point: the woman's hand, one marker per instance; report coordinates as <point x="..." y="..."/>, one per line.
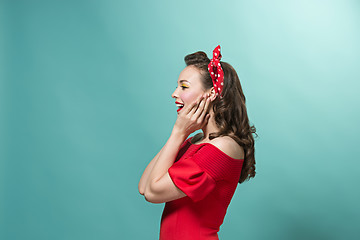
<point x="193" y="116"/>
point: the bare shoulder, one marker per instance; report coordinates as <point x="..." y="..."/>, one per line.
<point x="229" y="146"/>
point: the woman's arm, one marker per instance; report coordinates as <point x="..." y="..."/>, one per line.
<point x="145" y="175"/>
<point x="159" y="186"/>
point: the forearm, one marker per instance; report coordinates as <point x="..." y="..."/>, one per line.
<point x="166" y="157"/>
<point x="145" y="176"/>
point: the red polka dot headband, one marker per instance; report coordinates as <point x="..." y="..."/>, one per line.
<point x="216" y="72"/>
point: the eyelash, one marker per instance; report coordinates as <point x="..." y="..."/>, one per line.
<point x="182" y="87"/>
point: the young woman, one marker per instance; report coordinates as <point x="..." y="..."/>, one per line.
<point x="196" y="177"/>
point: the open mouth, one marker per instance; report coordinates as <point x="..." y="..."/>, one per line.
<point x="180" y="106"/>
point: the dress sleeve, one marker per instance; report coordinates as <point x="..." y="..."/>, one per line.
<point x="190" y="178"/>
<point x="197" y="174"/>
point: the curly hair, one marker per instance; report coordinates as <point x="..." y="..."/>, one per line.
<point x="230" y="112"/>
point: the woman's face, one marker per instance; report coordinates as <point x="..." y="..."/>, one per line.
<point x="189" y="87"/>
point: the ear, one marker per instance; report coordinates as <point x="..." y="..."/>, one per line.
<point x="212" y="94"/>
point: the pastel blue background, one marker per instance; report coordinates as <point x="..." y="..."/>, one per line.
<point x="85" y="104"/>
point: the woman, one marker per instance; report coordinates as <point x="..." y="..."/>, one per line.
<point x="198" y="176"/>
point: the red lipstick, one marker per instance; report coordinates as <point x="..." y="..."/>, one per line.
<point x="179" y="108"/>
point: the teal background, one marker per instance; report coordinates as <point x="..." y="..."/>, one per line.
<point x="86" y="103"/>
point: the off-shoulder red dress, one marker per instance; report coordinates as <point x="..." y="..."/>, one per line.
<point x="209" y="178"/>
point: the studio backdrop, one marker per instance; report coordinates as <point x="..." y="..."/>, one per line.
<point x="85" y="104"/>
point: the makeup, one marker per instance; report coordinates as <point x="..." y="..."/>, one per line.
<point x="179" y="105"/>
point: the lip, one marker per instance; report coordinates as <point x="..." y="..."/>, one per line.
<point x="179" y="108"/>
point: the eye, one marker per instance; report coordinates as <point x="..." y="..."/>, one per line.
<point x="183" y="86"/>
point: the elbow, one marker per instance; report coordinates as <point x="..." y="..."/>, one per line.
<point x="141" y="190"/>
<point x="150" y="195"/>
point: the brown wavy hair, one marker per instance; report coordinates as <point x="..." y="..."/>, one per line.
<point x="230" y="111"/>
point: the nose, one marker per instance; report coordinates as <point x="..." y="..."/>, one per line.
<point x="174" y="94"/>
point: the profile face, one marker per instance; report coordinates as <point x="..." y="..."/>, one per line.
<point x="189" y="87"/>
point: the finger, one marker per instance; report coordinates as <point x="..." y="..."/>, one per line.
<point x="200" y="108"/>
<point x="205" y="111"/>
<point x="195" y="105"/>
<point x="205" y="108"/>
<point x="202" y="102"/>
<point x="189" y="107"/>
<point x="206" y="120"/>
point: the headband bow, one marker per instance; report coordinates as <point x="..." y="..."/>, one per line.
<point x="216" y="72"/>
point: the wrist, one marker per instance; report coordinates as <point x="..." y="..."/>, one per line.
<point x="177" y="134"/>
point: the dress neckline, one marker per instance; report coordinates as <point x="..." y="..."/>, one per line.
<point x="241" y="159"/>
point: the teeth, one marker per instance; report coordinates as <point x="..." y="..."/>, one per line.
<point x="180" y="105"/>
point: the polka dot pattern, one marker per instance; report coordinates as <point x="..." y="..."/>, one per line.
<point x="216" y="72"/>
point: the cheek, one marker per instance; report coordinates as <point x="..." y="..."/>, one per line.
<point x="188" y="97"/>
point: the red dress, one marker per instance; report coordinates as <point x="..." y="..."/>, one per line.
<point x="209" y="178"/>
